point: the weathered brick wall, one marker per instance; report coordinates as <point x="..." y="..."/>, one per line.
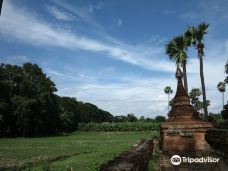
<point x="133" y="160"/>
<point x="185" y="144"/>
<point x="218" y="138"/>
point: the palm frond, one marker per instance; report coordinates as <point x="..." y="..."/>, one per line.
<point x="221" y="86"/>
<point x="176" y="49"/>
<point x="201" y="31"/>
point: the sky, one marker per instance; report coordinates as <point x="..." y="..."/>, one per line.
<point x="112" y="53"/>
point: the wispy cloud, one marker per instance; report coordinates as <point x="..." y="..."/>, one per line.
<point x="15" y="59"/>
<point x="38" y="32"/>
<point x="60" y="14"/>
<point x="119" y="22"/>
<point x="97" y="7"/>
<point x="84" y="13"/>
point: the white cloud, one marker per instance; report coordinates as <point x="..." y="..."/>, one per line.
<point x="15" y="59"/>
<point x="140" y="96"/>
<point x="35" y="31"/>
<point x="119" y="22"/>
<point x="60" y="14"/>
<point x="83" y="12"/>
<point x="98" y="7"/>
<point x="54" y="73"/>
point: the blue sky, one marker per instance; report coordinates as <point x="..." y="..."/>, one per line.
<point x="111" y="53"/>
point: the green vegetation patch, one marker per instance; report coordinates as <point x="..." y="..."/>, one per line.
<point x="80" y="150"/>
<point x="120" y="126"/>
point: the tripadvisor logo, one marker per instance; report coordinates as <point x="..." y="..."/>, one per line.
<point x="176" y="160"/>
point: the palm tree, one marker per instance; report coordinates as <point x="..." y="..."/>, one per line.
<point x="195" y="37"/>
<point x="226" y="71"/>
<point x="177" y="51"/>
<point x="194" y="95"/>
<point x="222" y="88"/>
<point x="226" y="67"/>
<point x="168" y="91"/>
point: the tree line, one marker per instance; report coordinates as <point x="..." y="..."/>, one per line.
<point x="29" y="105"/>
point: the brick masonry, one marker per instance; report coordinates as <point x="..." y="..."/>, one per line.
<point x="183" y="131"/>
<point x="133" y="160"/>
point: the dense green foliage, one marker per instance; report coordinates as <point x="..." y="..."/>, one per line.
<point x="80" y="150"/>
<point x="30" y="107"/>
<point x="216" y="118"/>
<point x="120" y="126"/>
<point x="194" y="96"/>
<point x="28" y="104"/>
<point x="128" y="118"/>
<point x="74" y="112"/>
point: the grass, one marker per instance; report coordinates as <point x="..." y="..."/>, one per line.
<point x="83" y="151"/>
<point x="152" y="163"/>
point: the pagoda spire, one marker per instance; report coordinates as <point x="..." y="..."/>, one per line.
<point x="180" y="88"/>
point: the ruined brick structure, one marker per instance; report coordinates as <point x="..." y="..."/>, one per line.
<point x="218" y="139"/>
<point x="183" y="132"/>
<point x="133" y="160"/>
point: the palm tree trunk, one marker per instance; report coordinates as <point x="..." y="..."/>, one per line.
<point x="223" y="100"/>
<point x="168" y="102"/>
<point x="200" y="55"/>
<point x="185" y="78"/>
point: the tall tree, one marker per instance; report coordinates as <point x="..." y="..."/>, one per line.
<point x="177" y="51"/>
<point x="226" y="71"/>
<point x="28" y="103"/>
<point x="194" y="94"/>
<point x="194" y="97"/>
<point x="226" y="67"/>
<point x="168" y="91"/>
<point x="195" y="36"/>
<point x="222" y="88"/>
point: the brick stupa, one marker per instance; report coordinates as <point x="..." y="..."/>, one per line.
<point x="183" y="132"/>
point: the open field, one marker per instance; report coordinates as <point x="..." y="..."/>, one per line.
<point x="81" y="150"/>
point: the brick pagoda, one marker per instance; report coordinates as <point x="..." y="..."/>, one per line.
<point x="183" y="132"/>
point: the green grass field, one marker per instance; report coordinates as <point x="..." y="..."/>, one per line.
<point x="81" y="150"/>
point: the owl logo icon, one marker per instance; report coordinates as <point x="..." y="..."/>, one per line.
<point x="176" y="160"/>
